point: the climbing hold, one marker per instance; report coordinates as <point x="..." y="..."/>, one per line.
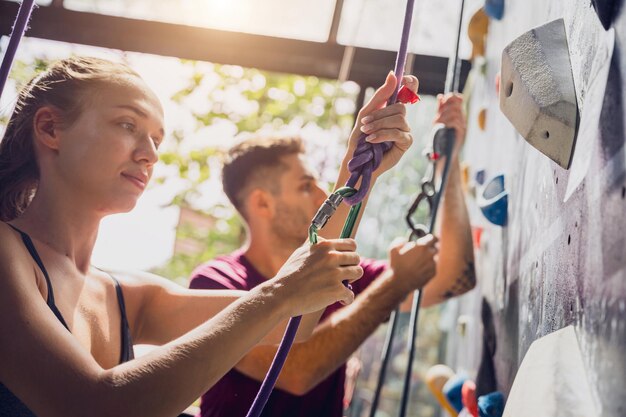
<point x="477" y="233"/>
<point x="436" y="378"/>
<point x="480" y="176"/>
<point x="496" y="81"/>
<point x="452" y="391"/>
<point x="537" y="91"/>
<point x="606" y="11"/>
<point x="491" y="405"/>
<point x="465" y="176"/>
<point x="482" y="119"/>
<point x="493" y="201"/>
<point x="495" y="8"/>
<point x="553" y="379"/>
<point x="468" y="395"/>
<point x="477" y="32"/>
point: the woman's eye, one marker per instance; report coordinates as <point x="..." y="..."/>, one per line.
<point x="128" y="126"/>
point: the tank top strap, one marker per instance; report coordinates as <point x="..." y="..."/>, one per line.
<point x="127" y="352"/>
<point x="35" y="255"/>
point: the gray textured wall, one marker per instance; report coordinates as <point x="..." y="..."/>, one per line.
<point x="557" y="262"/>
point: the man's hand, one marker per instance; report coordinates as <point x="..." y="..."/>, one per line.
<point x="450" y="113"/>
<point x="413" y="263"/>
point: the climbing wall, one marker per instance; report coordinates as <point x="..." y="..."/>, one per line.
<point x="560" y="259"/>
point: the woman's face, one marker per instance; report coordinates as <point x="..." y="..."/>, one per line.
<point x="108" y="153"/>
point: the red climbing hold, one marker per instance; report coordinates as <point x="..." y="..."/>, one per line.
<point x="406" y="95"/>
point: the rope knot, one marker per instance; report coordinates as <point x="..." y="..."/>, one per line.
<point x="366" y="159"/>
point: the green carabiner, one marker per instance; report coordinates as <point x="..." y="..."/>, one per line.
<point x="328" y="208"/>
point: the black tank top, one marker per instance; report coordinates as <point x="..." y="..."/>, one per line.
<point x="10" y="405"/>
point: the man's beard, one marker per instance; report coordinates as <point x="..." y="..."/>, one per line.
<point x="290" y="225"/>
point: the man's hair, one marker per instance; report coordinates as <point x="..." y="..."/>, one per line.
<point x="256" y="163"/>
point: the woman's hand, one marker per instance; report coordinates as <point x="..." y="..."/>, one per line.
<point x="312" y="278"/>
<point x="385" y="124"/>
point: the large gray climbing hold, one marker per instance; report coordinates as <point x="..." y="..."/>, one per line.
<point x="537" y="92"/>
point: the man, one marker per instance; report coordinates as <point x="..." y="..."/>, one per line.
<point x="277" y="195"/>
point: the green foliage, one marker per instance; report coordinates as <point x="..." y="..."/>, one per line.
<point x="249" y="100"/>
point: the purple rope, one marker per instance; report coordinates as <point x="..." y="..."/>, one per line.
<point x="19" y="27"/>
<point x="277" y="365"/>
<point x="368" y="156"/>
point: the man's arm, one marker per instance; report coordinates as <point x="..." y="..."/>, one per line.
<point x="332" y="343"/>
<point x="455" y="268"/>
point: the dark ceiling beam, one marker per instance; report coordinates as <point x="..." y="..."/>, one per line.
<point x="255" y="51"/>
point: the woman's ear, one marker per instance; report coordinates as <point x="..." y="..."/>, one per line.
<point x="261" y="203"/>
<point x="46" y="127"/>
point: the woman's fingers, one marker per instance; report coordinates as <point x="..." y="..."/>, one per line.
<point x="393" y="116"/>
<point x="345" y="258"/>
<point x="411" y="82"/>
<point x="351" y="273"/>
<point x="402" y="140"/>
<point x="381" y="95"/>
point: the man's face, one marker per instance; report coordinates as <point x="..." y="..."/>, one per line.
<point x="299" y="199"/>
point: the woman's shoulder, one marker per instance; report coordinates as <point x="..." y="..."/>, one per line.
<point x="16" y="263"/>
<point x="12" y="247"/>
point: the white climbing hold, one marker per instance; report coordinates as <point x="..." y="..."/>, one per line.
<point x="537" y="92"/>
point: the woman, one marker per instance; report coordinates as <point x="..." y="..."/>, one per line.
<point x="81" y="145"/>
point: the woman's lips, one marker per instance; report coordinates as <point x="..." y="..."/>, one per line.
<point x="138" y="181"/>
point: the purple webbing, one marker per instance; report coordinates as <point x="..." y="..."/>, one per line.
<point x="19" y="27"/>
<point x="368" y="156"/>
<point x="277" y="365"/>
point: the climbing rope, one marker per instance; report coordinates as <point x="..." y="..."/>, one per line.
<point x="368" y="156"/>
<point x="19" y="27"/>
<point x="365" y="160"/>
<point x="441" y="146"/>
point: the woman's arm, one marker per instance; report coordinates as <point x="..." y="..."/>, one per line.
<point x="54" y="375"/>
<point x="169" y="310"/>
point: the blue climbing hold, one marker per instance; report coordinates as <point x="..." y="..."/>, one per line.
<point x="491" y="405"/>
<point x="494" y="201"/>
<point x="453" y="392"/>
<point x="480" y="176"/>
<point x="495" y="8"/>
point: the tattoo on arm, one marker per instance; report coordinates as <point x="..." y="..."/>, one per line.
<point x="464" y="283"/>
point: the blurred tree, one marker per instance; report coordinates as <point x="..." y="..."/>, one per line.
<point x="248" y="101"/>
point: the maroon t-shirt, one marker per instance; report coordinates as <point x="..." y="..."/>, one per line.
<point x="232" y="396"/>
